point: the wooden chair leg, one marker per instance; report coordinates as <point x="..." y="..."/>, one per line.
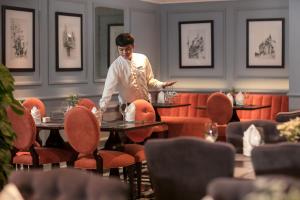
<point x="138" y="167"/>
<point x="131" y="182"/>
<point x="125" y="174"/>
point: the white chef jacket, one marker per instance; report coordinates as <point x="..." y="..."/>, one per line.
<point x="131" y="78"/>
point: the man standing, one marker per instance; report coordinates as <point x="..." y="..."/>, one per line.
<point x="130" y="74"/>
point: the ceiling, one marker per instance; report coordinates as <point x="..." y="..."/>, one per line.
<point x="179" y="1"/>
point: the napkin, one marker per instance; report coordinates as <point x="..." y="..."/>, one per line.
<point x="251" y="139"/>
<point x="230" y="97"/>
<point x="239" y="99"/>
<point x="161" y="97"/>
<point x="36" y="115"/>
<point x="130" y="113"/>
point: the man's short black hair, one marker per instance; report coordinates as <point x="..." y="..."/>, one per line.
<point x="124" y="39"/>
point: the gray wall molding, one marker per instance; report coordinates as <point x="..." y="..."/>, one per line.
<point x="234" y="72"/>
<point x="240" y="61"/>
<point x="67" y="77"/>
<point x="173" y="18"/>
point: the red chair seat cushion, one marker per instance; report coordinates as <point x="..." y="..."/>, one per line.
<point x="111" y="159"/>
<point x="186" y="126"/>
<point x="46" y="155"/>
<point x="136" y="150"/>
<point x="160" y="128"/>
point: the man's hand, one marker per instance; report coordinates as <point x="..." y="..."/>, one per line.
<point x="168" y="83"/>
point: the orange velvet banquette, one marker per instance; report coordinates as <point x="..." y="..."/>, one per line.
<point x="188" y="121"/>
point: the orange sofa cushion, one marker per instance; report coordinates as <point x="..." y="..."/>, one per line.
<point x="189" y="121"/>
<point x="279" y="103"/>
<point x="195" y="99"/>
<point x="185" y="126"/>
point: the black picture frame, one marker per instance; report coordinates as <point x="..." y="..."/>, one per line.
<point x="68" y="50"/>
<point x="196" y="44"/>
<point x="18" y="38"/>
<point x="265" y="45"/>
<point x="113" y="30"/>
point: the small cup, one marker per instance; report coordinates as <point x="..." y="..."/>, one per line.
<point x="46" y="119"/>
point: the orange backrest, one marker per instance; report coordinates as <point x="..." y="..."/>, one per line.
<point x="279" y="103"/>
<point x="219" y="108"/>
<point x="195" y="99"/>
<point x="24" y="127"/>
<point x="82" y="129"/>
<point x="144" y="111"/>
<point x="30" y="102"/>
<point x="89" y="104"/>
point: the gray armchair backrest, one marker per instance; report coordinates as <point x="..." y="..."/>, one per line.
<point x="181" y="168"/>
<point x="237" y="189"/>
<point x="282" y="158"/>
<point x="67" y="184"/>
<point x="235" y="132"/>
<point x="229" y="188"/>
<point x="286" y="116"/>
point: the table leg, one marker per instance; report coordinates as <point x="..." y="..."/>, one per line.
<point x="114" y="142"/>
<point x="157" y="115"/>
<point x="54" y="139"/>
<point x="234" y="117"/>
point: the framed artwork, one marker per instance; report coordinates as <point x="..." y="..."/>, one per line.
<point x="112" y="51"/>
<point x="18" y="25"/>
<point x="265" y="43"/>
<point x="196" y="46"/>
<point x="68" y="27"/>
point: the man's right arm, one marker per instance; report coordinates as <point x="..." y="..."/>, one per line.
<point x="109" y="87"/>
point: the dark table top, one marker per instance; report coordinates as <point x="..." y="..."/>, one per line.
<point x="241" y="107"/>
<point x="169" y="105"/>
<point x="105" y="126"/>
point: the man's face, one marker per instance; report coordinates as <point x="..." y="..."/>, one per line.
<point x="126" y="51"/>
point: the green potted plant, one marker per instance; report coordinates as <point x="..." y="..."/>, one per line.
<point x="72" y="100"/>
<point x="7" y="134"/>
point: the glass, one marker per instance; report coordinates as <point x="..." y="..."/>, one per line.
<point x="211" y="131"/>
<point x="122" y="108"/>
<point x="170" y="94"/>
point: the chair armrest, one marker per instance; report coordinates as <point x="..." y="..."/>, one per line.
<point x="286" y="116"/>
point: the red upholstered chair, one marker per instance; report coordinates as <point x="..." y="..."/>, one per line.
<point x="83" y="132"/>
<point x="89" y="104"/>
<point x="30" y="102"/>
<point x="26" y="153"/>
<point x="144" y="112"/>
<point x="219" y="110"/>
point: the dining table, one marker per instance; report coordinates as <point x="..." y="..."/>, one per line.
<point x="116" y="129"/>
<point x="235" y="117"/>
<point x="166" y="105"/>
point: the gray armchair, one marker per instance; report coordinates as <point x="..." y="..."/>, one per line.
<point x="237" y="189"/>
<point x="286" y="116"/>
<point x="181" y="168"/>
<point x="67" y="184"/>
<point x="280" y="158"/>
<point x="235" y="132"/>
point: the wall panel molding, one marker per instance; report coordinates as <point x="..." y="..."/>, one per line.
<point x="240" y="44"/>
<point x="80" y="77"/>
<point x="219" y="18"/>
